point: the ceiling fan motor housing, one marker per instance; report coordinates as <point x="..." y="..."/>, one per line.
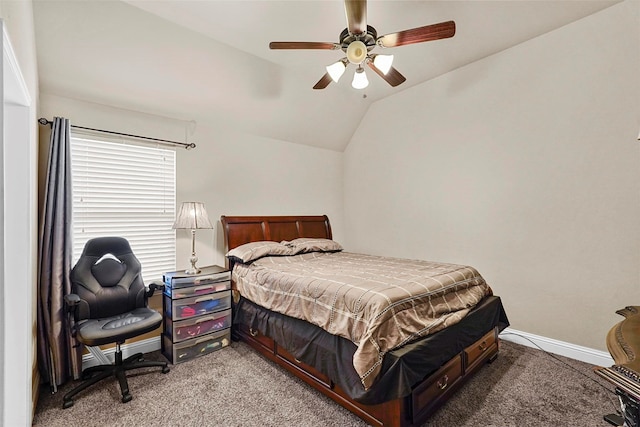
<point x="356" y="46"/>
<point x="368" y="37"/>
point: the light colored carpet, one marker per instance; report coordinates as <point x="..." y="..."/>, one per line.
<point x="237" y="387"/>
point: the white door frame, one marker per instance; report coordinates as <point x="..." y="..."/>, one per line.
<point x="18" y="211"/>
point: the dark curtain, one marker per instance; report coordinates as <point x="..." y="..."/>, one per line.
<point x="59" y="356"/>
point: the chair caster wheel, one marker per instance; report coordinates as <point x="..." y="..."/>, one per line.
<point x="165" y="370"/>
<point x="67" y="404"/>
<point x="126" y="398"/>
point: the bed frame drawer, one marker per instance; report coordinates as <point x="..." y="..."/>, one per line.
<point x="437" y="387"/>
<point x="307" y="369"/>
<point x="255" y="336"/>
<point x="479" y="351"/>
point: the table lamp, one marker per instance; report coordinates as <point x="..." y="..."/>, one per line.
<point x="192" y="216"/>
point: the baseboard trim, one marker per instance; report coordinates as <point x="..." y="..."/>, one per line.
<point x="143" y="346"/>
<point x="584" y="354"/>
<point x="35" y="390"/>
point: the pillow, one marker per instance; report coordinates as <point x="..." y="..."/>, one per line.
<point x="255" y="250"/>
<point x="306" y="244"/>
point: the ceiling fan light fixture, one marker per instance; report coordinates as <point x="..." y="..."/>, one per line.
<point x="359" y="38"/>
<point x="360" y="80"/>
<point x="336" y="70"/>
<point x="356" y="52"/>
<point x="383" y="62"/>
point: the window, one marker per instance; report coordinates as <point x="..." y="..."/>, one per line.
<point x="127" y="190"/>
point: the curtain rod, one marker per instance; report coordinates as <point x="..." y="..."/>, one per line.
<point x="186" y="145"/>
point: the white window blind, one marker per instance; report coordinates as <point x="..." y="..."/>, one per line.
<point x="126" y="190"/>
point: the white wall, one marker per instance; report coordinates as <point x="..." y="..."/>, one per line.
<point x="523" y="164"/>
<point x="239" y="174"/>
<point x="232" y="172"/>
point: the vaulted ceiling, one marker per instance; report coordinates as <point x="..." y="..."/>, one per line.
<point x="210" y="59"/>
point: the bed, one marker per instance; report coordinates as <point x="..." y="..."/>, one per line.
<point x="386" y="380"/>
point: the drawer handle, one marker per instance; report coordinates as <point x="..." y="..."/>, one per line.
<point x="202" y="288"/>
<point x="252" y="332"/>
<point x="443" y="383"/>
<point x="297" y="360"/>
<point x="201" y="340"/>
<point x="207" y="298"/>
<point x="483" y="346"/>
<point x="205" y="319"/>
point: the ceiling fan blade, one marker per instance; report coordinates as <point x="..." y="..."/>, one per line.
<point x="303" y="45"/>
<point x="427" y="33"/>
<point x="393" y="76"/>
<point x="323" y="82"/>
<point x="356" y="11"/>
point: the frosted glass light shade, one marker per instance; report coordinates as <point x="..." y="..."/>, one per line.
<point x="360" y="80"/>
<point x="336" y="70"/>
<point x="383" y="62"/>
<point x="356" y="52"/>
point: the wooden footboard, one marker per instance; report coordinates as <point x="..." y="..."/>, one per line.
<point x="411" y="410"/>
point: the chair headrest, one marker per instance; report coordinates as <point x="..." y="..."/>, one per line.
<point x="100" y="246"/>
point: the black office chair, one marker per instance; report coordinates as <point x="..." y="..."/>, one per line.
<point x="108" y="304"/>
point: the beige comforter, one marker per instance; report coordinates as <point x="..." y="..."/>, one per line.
<point x="378" y="303"/>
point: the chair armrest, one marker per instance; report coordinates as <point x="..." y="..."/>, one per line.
<point x="153" y="287"/>
<point x="71" y="300"/>
<point x="72" y="304"/>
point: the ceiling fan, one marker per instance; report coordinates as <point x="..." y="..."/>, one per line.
<point x="359" y="39"/>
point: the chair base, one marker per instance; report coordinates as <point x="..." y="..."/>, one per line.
<point x="98" y="373"/>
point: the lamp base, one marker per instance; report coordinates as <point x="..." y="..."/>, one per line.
<point x="193" y="269"/>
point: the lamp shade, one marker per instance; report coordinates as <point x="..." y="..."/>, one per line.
<point x="192" y="215"/>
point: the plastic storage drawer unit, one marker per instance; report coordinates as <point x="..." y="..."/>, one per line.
<point x="181" y="330"/>
<point x="199" y="346"/>
<point x="185" y="308"/>
<point x="193" y="291"/>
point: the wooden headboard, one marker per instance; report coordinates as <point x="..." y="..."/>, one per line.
<point x="239" y="230"/>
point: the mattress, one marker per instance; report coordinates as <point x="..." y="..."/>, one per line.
<point x="377" y="303"/>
